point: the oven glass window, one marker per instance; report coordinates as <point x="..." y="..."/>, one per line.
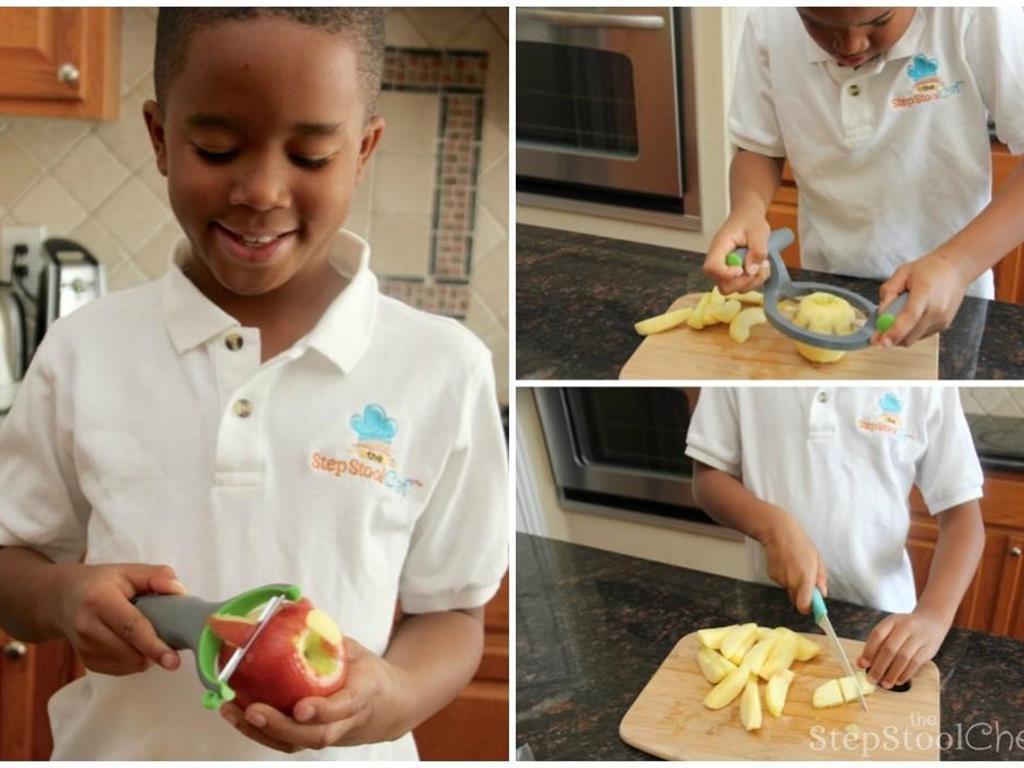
<point x="635" y="428"/>
<point x="575" y="98"/>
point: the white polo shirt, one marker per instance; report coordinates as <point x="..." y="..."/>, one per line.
<point x="842" y="461"/>
<point x="893" y="158"/>
<point x="366" y="464"/>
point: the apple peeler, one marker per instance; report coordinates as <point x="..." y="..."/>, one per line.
<point x="180" y="621"/>
<point x="779" y="287"/>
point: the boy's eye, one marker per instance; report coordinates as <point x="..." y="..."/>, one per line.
<point x="215" y="157"/>
<point x="310" y="162"/>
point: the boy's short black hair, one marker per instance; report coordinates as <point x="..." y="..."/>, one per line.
<point x="362" y="27"/>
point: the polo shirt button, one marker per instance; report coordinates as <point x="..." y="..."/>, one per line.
<point x="823" y="397"/>
<point x="855" y="90"/>
<point x="243" y="409"/>
<point x="234" y="342"/>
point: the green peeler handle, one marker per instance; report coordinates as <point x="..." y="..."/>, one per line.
<point x="818" y="606"/>
<point x="885" y="321"/>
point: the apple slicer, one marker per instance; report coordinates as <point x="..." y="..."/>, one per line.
<point x="780" y="287"/>
<point x="180" y="621"/>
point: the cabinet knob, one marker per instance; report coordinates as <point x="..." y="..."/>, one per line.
<point x="1015" y="552"/>
<point x="68" y="74"/>
<point x="15" y="649"/>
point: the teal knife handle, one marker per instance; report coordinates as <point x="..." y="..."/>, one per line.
<point x="818" y="606"/>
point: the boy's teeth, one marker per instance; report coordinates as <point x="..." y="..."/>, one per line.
<point x="258" y="240"/>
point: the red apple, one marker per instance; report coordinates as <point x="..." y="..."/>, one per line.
<point x="299" y="653"/>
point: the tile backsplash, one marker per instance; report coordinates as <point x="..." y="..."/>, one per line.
<point x="993" y="401"/>
<point x="433" y="204"/>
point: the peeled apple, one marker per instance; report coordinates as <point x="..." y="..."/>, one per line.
<point x="828" y="315"/>
<point x="750" y="706"/>
<point x="713" y="665"/>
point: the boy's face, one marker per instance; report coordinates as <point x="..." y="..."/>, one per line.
<point x="262" y="138"/>
<point x="855" y="36"/>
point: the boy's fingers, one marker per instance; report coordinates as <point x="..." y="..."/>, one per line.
<point x="109" y="654"/>
<point x="153" y="579"/>
<point x="875" y="640"/>
<point x="893" y="287"/>
<point x="758" y="250"/>
<point x="714" y="262"/>
<point x="127" y="622"/>
<point x="803" y="595"/>
<point x="915" y="664"/>
<point x="236" y="718"/>
<point x="906" y="321"/>
<point x="886" y="653"/>
<point x="285" y="730"/>
<point x="339" y="706"/>
<point x="901" y="656"/>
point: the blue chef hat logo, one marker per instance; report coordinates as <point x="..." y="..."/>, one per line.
<point x="890" y="404"/>
<point x="922" y="67"/>
<point x="374" y="424"/>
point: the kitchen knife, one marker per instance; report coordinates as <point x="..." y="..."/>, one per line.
<point x="822" y="620"/>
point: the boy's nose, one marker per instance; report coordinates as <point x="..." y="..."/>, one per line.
<point x="851" y="42"/>
<point x="260" y="185"/>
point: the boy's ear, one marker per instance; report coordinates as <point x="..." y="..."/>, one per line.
<point x="154" y="118"/>
<point x="372" y="132"/>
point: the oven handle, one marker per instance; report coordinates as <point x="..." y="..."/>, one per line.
<point x="573" y="19"/>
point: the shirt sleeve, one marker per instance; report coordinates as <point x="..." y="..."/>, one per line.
<point x="459" y="548"/>
<point x="714" y="434"/>
<point x="42" y="505"/>
<point x="994" y="44"/>
<point x="948" y="472"/>
<point x="753" y="122"/>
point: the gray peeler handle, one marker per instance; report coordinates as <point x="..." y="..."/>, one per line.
<point x="177" y="619"/>
<point x="778" y="241"/>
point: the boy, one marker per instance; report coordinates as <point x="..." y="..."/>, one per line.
<point x="261" y="414"/>
<point x="881" y="113"/>
<point x="818" y="479"/>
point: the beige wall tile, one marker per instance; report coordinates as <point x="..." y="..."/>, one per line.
<point x="400" y="243"/>
<point x="403" y="184"/>
<point x="154" y="257"/>
<point x="439" y="25"/>
<point x="126" y="276"/>
<point x="401" y="32"/>
<point x="20" y="168"/>
<point x="412" y="120"/>
<point x="138" y="42"/>
<point x="47" y="202"/>
<point x="492" y="189"/>
<point x="90" y="172"/>
<point x="127" y="137"/>
<point x="49" y="140"/>
<point x="489" y="280"/>
<point x="132" y="215"/>
<point x="100" y="244"/>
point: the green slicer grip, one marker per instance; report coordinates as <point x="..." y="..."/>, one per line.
<point x="818" y="606"/>
<point x="180" y="621"/>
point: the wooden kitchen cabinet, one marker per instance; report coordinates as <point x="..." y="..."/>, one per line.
<point x="1009" y="272"/>
<point x="994" y="601"/>
<point x="475" y="725"/>
<point x="60" y="62"/>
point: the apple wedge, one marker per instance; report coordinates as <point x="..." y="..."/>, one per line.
<point x="712" y="636"/>
<point x="782" y="654"/>
<point x="664" y="322"/>
<point x="737" y="638"/>
<point x="740" y="653"/>
<point x="727" y="690"/>
<point x="713" y="665"/>
<point x="750" y="706"/>
<point x="725" y="311"/>
<point x="763" y="632"/>
<point x="841" y="690"/>
<point x="739" y="328"/>
<point x="806" y="649"/>
<point x="776" y="690"/>
<point x="757" y="655"/>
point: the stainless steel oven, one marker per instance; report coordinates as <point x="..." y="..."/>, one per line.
<point x="621" y="448"/>
<point x="604" y="108"/>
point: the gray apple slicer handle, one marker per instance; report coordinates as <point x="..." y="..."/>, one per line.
<point x="180" y="621"/>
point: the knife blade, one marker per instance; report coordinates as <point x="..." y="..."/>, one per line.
<point x="264" y="618"/>
<point x="822" y="620"/>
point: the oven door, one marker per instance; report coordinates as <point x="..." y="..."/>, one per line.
<point x="597" y="99"/>
<point x="621" y="447"/>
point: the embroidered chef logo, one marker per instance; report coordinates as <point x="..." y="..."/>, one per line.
<point x="887" y="419"/>
<point x="925" y="84"/>
<point x="372" y="460"/>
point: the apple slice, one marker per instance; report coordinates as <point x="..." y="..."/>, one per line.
<point x="736" y="638"/>
<point x="763" y="632"/>
<point x="865" y="684"/>
<point x="782" y="654"/>
<point x="777" y="689"/>
<point x="713" y="665"/>
<point x="849" y="686"/>
<point x="727" y="690"/>
<point x="233" y="630"/>
<point x="828" y="694"/>
<point x="744" y="647"/>
<point x="712" y="636"/>
<point x="806" y="649"/>
<point x="757" y="655"/>
<point x="750" y="706"/>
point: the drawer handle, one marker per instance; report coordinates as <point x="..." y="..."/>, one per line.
<point x="68" y="74"/>
<point x="15" y="649"/>
<point x="1015" y="552"/>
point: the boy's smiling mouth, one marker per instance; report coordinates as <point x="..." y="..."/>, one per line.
<point x="252" y="246"/>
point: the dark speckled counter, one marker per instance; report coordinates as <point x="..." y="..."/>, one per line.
<point x="592" y="627"/>
<point x="578" y="296"/>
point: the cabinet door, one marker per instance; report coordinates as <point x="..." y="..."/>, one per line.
<point x="29" y="676"/>
<point x="60" y="62"/>
<point x="475" y="725"/>
<point x="783" y="213"/>
<point x="1008" y="616"/>
<point x="1009" y="273"/>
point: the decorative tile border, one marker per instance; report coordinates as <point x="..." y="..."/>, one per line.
<point x="459" y="77"/>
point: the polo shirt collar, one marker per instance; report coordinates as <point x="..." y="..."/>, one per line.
<point x="342" y="334"/>
<point x="908" y="45"/>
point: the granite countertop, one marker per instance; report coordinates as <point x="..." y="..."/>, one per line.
<point x="578" y="296"/>
<point x="592" y="627"/>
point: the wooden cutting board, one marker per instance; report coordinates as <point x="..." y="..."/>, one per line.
<point x="669" y="719"/>
<point x="683" y="353"/>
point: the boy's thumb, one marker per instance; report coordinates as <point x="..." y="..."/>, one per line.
<point x="155" y="579"/>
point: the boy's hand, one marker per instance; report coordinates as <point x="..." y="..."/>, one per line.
<point x="794" y="562"/>
<point x="744" y="227"/>
<point x="372" y="707"/>
<point x="111" y="635"/>
<point x="899" y="644"/>
<point x="936" y="284"/>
